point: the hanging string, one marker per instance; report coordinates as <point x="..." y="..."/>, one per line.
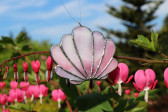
<point x="80" y="11"/>
<point x="70" y="13"/>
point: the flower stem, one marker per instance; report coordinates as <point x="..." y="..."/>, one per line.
<point x="69" y="106"/>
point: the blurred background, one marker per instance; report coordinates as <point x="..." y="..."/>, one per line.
<point x="28" y="26"/>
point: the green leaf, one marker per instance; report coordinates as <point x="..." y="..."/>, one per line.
<point x="26" y="48"/>
<point x="21" y="37"/>
<point x="94" y="102"/>
<point x="6" y="40"/>
<point x="21" y="106"/>
<point x="71" y="92"/>
<point x="144" y="42"/>
<point x="154" y="41"/>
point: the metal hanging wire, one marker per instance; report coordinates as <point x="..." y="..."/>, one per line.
<point x="79" y="22"/>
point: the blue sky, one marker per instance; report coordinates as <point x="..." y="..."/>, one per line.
<point x="48" y="20"/>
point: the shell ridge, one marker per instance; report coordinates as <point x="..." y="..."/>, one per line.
<point x="58" y="64"/>
<point x="78" y="51"/>
<point x="100" y="62"/>
<point x="91" y="74"/>
<point x="68" y="73"/>
<point x="69" y="58"/>
<point x="110" y="70"/>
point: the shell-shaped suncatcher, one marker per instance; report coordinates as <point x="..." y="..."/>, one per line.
<point x="84" y="55"/>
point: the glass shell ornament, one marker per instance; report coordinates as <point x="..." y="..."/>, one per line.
<point x="84" y="55"/>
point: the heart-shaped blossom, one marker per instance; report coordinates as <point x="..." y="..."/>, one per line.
<point x="3" y="100"/>
<point x="24" y="86"/>
<point x="17" y="95"/>
<point x="15" y="72"/>
<point x="43" y="91"/>
<point x="36" y="66"/>
<point x="136" y="94"/>
<point x="127" y="92"/>
<point x="49" y="63"/>
<point x="58" y="95"/>
<point x="25" y="68"/>
<point x="145" y="80"/>
<point x="13" y="84"/>
<point x="119" y="76"/>
<point x="166" y="77"/>
<point x="2" y="84"/>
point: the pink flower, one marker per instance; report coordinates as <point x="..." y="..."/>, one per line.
<point x="10" y="99"/>
<point x="36" y="66"/>
<point x="17" y="95"/>
<point x="2" y="84"/>
<point x="166" y="77"/>
<point x="49" y="63"/>
<point x="98" y="83"/>
<point x="3" y="99"/>
<point x="5" y="110"/>
<point x="25" y="68"/>
<point x="127" y="92"/>
<point x="13" y="84"/>
<point x="119" y="75"/>
<point x="58" y="95"/>
<point x="24" y="85"/>
<point x="15" y="72"/>
<point x="43" y="92"/>
<point x="33" y="91"/>
<point x="136" y="94"/>
<point x="145" y="80"/>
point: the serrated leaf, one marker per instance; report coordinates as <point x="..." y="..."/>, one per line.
<point x="6" y="40"/>
<point x="144" y="42"/>
<point x="94" y="102"/>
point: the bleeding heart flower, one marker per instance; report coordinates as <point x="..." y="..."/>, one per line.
<point x="136" y="94"/>
<point x="6" y="72"/>
<point x="98" y="84"/>
<point x="17" y="95"/>
<point x="58" y="95"/>
<point x="119" y="75"/>
<point x="3" y="100"/>
<point x="43" y="92"/>
<point x="10" y="99"/>
<point x="36" y="66"/>
<point x="13" y="84"/>
<point x="127" y="92"/>
<point x="49" y="73"/>
<point x="145" y="80"/>
<point x="2" y="84"/>
<point x="25" y="68"/>
<point x="5" y="110"/>
<point x="24" y="86"/>
<point x="16" y="76"/>
<point x="166" y="77"/>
